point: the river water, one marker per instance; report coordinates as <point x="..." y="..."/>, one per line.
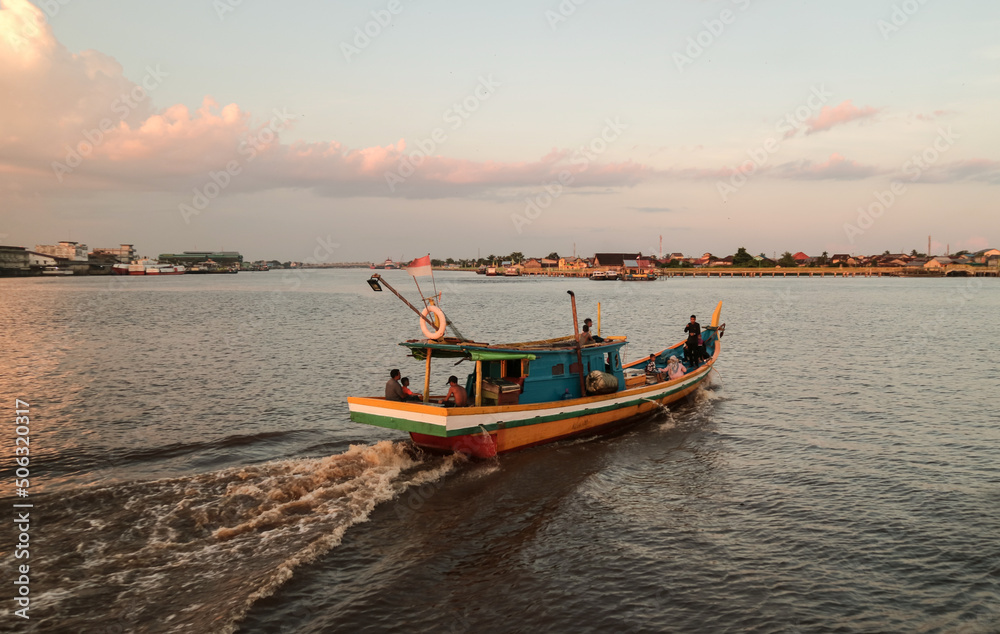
<point x="193" y="467"/>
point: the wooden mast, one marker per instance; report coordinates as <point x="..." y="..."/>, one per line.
<point x="579" y="354"/>
<point x="427" y="376"/>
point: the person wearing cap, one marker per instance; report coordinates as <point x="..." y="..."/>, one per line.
<point x="456" y="393"/>
<point x="589" y="323"/>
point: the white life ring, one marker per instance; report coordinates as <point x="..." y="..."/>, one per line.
<point x="438" y="318"/>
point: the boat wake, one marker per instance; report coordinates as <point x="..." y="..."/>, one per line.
<point x="708" y="394"/>
<point x="702" y="400"/>
<point x="194" y="553"/>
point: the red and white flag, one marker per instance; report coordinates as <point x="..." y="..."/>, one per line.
<point x="420" y="266"/>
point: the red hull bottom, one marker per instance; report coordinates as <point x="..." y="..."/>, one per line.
<point x="475" y="445"/>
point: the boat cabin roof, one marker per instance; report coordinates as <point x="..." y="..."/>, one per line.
<point x="455" y="348"/>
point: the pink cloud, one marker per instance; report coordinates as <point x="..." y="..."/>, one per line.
<point x="830" y="117"/>
<point x="78" y="119"/>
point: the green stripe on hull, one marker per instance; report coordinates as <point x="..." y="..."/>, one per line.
<point x="401" y="424"/>
<point x="436" y="430"/>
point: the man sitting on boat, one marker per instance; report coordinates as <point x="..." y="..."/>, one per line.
<point x="585" y="337"/>
<point x="589" y="324"/>
<point x="393" y="390"/>
<point x="456" y="394"/>
<point x="653" y="373"/>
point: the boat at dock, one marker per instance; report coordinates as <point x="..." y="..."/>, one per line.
<point x="604" y="276"/>
<point x="530" y="393"/>
<point x="640" y="277"/>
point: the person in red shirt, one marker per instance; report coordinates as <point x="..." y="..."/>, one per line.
<point x="409" y="394"/>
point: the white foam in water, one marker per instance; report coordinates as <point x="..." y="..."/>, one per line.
<point x="211" y="545"/>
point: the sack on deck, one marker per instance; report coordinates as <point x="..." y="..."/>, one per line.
<point x="601" y="383"/>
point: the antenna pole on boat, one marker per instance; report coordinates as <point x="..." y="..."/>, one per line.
<point x="576" y="335"/>
<point x="380" y="281"/>
<point x="377" y="280"/>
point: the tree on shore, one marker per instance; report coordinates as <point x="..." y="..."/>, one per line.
<point x="742" y="258"/>
<point x="823" y="260"/>
<point x="787" y="260"/>
<point x="552" y="256"/>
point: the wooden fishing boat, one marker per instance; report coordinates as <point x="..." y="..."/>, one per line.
<point x="531" y="393"/>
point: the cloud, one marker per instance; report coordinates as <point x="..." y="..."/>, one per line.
<point x="654" y="210"/>
<point x="977" y="169"/>
<point x="76" y="120"/>
<point x="835" y="168"/>
<point x="921" y="116"/>
<point x="832" y="116"/>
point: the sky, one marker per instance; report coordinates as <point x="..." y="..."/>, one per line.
<point x="344" y="132"/>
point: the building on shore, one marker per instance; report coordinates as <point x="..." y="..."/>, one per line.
<point x="187" y="258"/>
<point x="21" y="261"/>
<point x="14" y="260"/>
<point x="74" y="252"/>
<point x="123" y="254"/>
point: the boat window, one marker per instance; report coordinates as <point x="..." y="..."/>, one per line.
<point x="613" y="363"/>
<point x="493" y="370"/>
<point x="512" y="369"/>
<point x="558" y="369"/>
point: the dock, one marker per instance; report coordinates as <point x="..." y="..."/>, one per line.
<point x="868" y="271"/>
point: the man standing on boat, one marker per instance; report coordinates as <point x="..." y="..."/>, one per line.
<point x="692" y="347"/>
<point x="393" y="390"/>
